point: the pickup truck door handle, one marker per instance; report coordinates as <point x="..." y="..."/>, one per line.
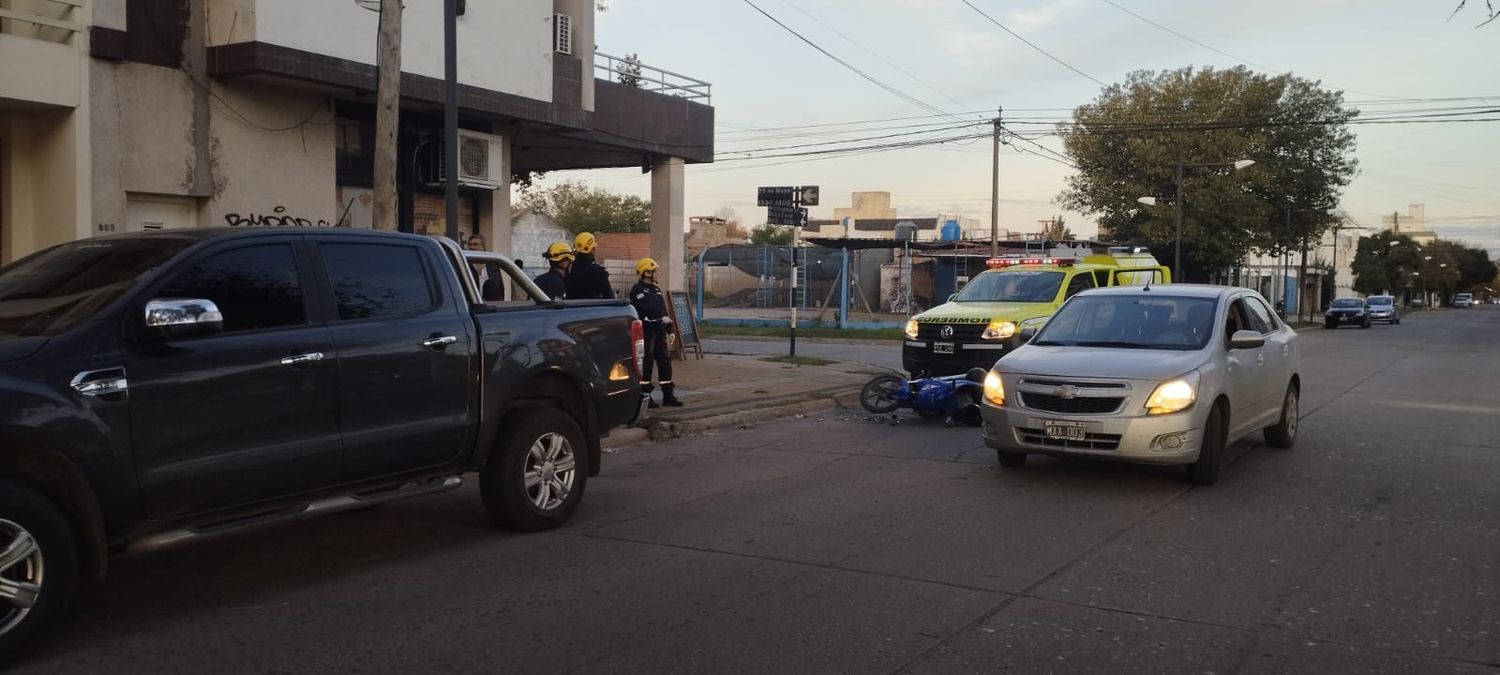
<point x="299" y="359"/>
<point x="439" y="341"/>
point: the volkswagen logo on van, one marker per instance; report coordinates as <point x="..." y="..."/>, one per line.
<point x="946" y="332"/>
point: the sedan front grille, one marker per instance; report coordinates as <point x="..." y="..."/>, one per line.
<point x="1089" y="442"/>
<point x="1079" y="405"/>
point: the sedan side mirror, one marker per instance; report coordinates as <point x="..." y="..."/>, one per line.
<point x="1246" y="339"/>
<point x="184" y="318"/>
<point x="1027" y="334"/>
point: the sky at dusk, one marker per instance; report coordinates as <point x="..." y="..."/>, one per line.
<point x="948" y="57"/>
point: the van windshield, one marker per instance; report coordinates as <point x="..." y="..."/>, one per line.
<point x="54" y="290"/>
<point x="1012" y="286"/>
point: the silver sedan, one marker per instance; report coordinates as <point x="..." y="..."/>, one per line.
<point x="1167" y="374"/>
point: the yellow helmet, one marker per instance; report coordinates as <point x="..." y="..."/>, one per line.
<point x="645" y="265"/>
<point x="584" y="243"/>
<point x="558" y="251"/>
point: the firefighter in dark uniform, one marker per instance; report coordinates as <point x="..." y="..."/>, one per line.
<point x="651" y="304"/>
<point x="587" y="280"/>
<point x="559" y="260"/>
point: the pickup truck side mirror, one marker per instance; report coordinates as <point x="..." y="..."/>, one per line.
<point x="953" y="297"/>
<point x="1028" y="333"/>
<point x="1246" y="339"/>
<point x="184" y="318"/>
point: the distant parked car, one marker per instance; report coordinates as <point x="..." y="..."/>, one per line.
<point x="1384" y="308"/>
<point x="1464" y="300"/>
<point x="1347" y="312"/>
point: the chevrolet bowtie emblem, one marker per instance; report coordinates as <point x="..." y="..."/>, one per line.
<point x="946" y="332"/>
<point x="1066" y="391"/>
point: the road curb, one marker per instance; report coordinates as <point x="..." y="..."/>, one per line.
<point x="663" y="430"/>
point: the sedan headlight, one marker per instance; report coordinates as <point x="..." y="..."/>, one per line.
<point x="911" y="329"/>
<point x="994" y="390"/>
<point x="998" y="330"/>
<point x="1175" y="395"/>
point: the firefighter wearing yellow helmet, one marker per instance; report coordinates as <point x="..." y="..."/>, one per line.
<point x="651" y="304"/>
<point x="553" y="282"/>
<point x="588" y="280"/>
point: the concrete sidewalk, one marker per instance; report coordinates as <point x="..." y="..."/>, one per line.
<point x="731" y="390"/>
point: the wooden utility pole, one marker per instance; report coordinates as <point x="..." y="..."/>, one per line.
<point x="387" y="113"/>
<point x="995" y="187"/>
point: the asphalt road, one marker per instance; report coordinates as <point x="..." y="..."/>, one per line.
<point x="843" y="544"/>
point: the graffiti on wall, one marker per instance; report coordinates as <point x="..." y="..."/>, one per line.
<point x="277" y="218"/>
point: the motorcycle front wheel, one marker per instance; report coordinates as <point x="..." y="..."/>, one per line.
<point x="879" y="395"/>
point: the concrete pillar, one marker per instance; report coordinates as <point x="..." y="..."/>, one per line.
<point x="668" y="240"/>
<point x="494" y="210"/>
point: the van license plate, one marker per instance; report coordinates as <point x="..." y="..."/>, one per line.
<point x="942" y="347"/>
<point x="1067" y="431"/>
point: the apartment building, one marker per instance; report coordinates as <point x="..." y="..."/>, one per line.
<point x="128" y="115"/>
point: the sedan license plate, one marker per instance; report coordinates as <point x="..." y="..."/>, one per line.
<point x="1345" y="319"/>
<point x="942" y="347"/>
<point x="1067" y="431"/>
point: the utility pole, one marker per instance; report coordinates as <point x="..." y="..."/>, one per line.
<point x="995" y="188"/>
<point x="450" y="114"/>
<point x="387" y="113"/>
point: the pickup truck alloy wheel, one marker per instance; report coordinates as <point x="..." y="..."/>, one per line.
<point x="550" y="468"/>
<point x="21" y="569"/>
<point x="535" y="478"/>
<point x="38" y="567"/>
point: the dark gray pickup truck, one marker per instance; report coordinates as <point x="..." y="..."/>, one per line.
<point x="176" y="384"/>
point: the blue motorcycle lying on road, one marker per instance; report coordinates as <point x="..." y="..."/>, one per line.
<point x="954" y="397"/>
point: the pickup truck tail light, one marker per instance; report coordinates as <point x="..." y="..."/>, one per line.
<point x="638" y="346"/>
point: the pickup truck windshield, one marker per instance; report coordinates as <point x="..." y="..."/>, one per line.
<point x="1012" y="286"/>
<point x="52" y="291"/>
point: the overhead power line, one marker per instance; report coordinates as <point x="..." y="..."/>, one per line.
<point x="868" y="77"/>
<point x="1030" y="44"/>
<point x="873" y="53"/>
<point x="1221" y="52"/>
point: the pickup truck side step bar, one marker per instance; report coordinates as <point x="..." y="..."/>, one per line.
<point x="317" y="507"/>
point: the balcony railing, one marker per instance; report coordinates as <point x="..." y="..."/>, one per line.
<point x="631" y="72"/>
<point x="48" y="20"/>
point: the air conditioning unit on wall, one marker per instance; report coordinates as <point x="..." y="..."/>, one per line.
<point x="479" y="161"/>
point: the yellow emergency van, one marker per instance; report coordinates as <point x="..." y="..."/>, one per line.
<point x="1002" y="307"/>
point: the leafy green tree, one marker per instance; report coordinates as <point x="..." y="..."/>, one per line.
<point x="771" y="235"/>
<point x="1128" y="142"/>
<point x="1384" y="263"/>
<point x="580" y="208"/>
<point x="1056" y="230"/>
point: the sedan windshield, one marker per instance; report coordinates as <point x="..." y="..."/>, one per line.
<point x="1131" y="322"/>
<point x="1348" y="303"/>
<point x="1012" y="286"/>
<point x="1379" y="301"/>
<point x="56" y="289"/>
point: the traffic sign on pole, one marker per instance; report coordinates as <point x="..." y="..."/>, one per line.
<point x="777" y="214"/>
<point x="767" y="196"/>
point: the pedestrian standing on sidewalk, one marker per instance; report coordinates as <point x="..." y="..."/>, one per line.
<point x="554" y="281"/>
<point x="588" y="280"/>
<point x="651" y="305"/>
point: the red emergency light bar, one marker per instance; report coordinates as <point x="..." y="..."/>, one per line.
<point x="1010" y="262"/>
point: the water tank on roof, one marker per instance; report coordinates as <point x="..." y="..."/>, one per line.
<point x="951" y="231"/>
<point x="906" y="231"/>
